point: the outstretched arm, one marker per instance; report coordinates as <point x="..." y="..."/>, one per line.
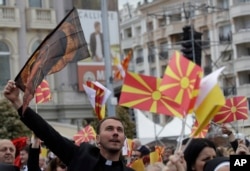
<point x="61" y="146"/>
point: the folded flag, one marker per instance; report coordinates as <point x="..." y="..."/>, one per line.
<point x="43" y="93"/>
<point x="209" y="101"/>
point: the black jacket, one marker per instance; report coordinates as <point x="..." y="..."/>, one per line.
<point x="83" y="157"/>
<point x="7" y="167"/>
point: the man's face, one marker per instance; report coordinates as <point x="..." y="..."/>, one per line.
<point x="111" y="137"/>
<point x="7" y="152"/>
<point x="24" y="157"/>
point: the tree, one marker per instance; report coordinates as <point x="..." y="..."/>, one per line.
<point x="11" y="125"/>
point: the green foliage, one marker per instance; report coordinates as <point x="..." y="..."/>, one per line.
<point x="129" y="125"/>
<point x="11" y="126"/>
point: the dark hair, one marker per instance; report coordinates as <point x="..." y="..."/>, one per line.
<point x="194" y="148"/>
<point x="25" y="148"/>
<point x="100" y="123"/>
<point x="54" y="163"/>
<point x="212" y="164"/>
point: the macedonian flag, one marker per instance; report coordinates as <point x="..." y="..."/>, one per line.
<point x="181" y="81"/>
<point x="43" y="93"/>
<point x="123" y="66"/>
<point x="236" y="108"/>
<point x="142" y="92"/>
<point x="85" y="135"/>
<point x="202" y="133"/>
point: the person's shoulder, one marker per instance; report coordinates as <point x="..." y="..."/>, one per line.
<point x="7" y="167"/>
<point x="129" y="169"/>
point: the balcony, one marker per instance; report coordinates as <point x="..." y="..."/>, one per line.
<point x="137" y="41"/>
<point x="38" y="18"/>
<point x="242" y="63"/>
<point x="240" y="36"/>
<point x="9" y="17"/>
<point x="229" y="67"/>
<point x="127" y="43"/>
<point x="243" y="90"/>
<point x="175" y="27"/>
<point x="202" y="20"/>
<point x="240" y="9"/>
<point x="160" y="33"/>
<point x="222" y="16"/>
<point x="148" y="37"/>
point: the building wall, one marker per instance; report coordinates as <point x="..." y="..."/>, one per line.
<point x="224" y="25"/>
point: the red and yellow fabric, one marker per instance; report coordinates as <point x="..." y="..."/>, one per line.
<point x="137" y="165"/>
<point x="142" y="92"/>
<point x="85" y="135"/>
<point x="209" y="101"/>
<point x="123" y="67"/>
<point x="202" y="133"/>
<point x="43" y="93"/>
<point x="156" y="156"/>
<point x="99" y="108"/>
<point x="181" y="81"/>
<point x="236" y="108"/>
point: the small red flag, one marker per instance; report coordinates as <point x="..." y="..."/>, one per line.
<point x="120" y="73"/>
<point x="43" y="93"/>
<point x="85" y="135"/>
<point x="202" y="134"/>
<point x="236" y="108"/>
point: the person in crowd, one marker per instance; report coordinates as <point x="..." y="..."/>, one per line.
<point x="242" y="149"/>
<point x="139" y="150"/>
<point x="176" y="163"/>
<point x="167" y="153"/>
<point x="24" y="155"/>
<point x="96" y="43"/>
<point x="42" y="163"/>
<point x="217" y="164"/>
<point x="56" y="165"/>
<point x="109" y="139"/>
<point x="7" y="155"/>
<point x="197" y="152"/>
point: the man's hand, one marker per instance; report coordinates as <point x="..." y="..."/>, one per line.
<point x="11" y="92"/>
<point x="176" y="163"/>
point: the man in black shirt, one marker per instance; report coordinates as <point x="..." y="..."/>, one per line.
<point x="110" y="138"/>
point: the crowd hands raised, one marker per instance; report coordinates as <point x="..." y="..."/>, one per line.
<point x="195" y="154"/>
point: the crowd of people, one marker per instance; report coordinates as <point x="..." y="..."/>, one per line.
<point x="196" y="154"/>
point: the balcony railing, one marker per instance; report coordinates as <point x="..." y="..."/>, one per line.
<point x="38" y="18"/>
<point x="9" y="17"/>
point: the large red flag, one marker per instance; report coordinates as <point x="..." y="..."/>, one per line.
<point x="43" y="93"/>
<point x="142" y="92"/>
<point x="236" y="108"/>
<point x="85" y="135"/>
<point x="64" y="44"/>
<point x="181" y="81"/>
<point x="120" y="73"/>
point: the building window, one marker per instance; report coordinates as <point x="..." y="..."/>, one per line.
<point x="35" y="3"/>
<point x="2" y="2"/>
<point x="225" y="33"/>
<point x="4" y="64"/>
<point x="128" y="33"/>
<point x="35" y="45"/>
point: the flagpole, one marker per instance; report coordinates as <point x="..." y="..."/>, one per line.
<point x="107" y="57"/>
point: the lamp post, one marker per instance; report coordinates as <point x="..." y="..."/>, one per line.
<point x="107" y="57"/>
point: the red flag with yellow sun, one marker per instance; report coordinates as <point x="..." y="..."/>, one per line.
<point x="202" y="133"/>
<point x="142" y="92"/>
<point x="43" y="93"/>
<point x="85" y="135"/>
<point x="181" y="81"/>
<point x="236" y="108"/>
